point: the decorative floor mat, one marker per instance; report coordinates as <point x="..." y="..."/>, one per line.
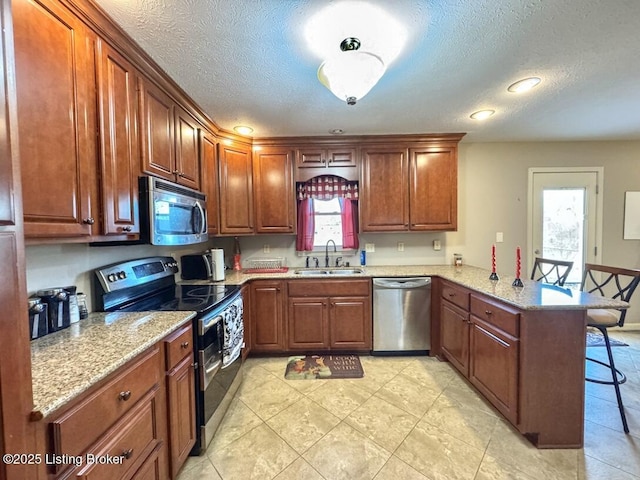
<point x="311" y="367"/>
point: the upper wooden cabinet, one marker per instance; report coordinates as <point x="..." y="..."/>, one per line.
<point x="236" y="188"/>
<point x="274" y="195"/>
<point x="340" y="160"/>
<point x="409" y="186"/>
<point x="169" y="137"/>
<point x="433" y="188"/>
<point x="209" y="179"/>
<point x="384" y="189"/>
<point x="54" y="59"/>
<point x="119" y="152"/>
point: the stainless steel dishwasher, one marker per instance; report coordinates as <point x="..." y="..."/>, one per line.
<point x="401" y="315"/>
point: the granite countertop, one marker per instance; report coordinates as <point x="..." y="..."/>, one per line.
<point x="66" y="363"/>
<point x="534" y="295"/>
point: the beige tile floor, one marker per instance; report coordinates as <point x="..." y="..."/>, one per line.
<point x="408" y="418"/>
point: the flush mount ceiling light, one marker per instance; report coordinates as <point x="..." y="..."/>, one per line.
<point x="369" y="40"/>
<point x="524" y="85"/>
<point x="243" y="129"/>
<point x="482" y="114"/>
<point x="352" y="73"/>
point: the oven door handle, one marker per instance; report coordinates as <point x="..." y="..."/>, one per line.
<point x="203" y="329"/>
<point x="207" y="372"/>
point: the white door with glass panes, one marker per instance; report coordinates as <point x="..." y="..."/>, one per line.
<point x="565" y="217"/>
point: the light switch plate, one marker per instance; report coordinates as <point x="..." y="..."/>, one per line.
<point x="266" y="248"/>
<point x="370" y="247"/>
<point x="401" y="246"/>
<point x="499" y="237"/>
<point x="437" y="245"/>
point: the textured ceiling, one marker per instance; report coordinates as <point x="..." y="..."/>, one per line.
<point x="246" y="62"/>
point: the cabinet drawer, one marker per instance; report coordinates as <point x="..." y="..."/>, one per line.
<point x="456" y="295"/>
<point x="496" y="314"/>
<point x="178" y="345"/>
<point x="330" y="288"/>
<point x="128" y="444"/>
<point x="78" y="428"/>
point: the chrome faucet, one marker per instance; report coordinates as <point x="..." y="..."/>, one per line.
<point x="326" y="252"/>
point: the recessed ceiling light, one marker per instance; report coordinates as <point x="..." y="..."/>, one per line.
<point x="336" y="131"/>
<point x="524" y="85"/>
<point x="243" y="129"/>
<point x="482" y="114"/>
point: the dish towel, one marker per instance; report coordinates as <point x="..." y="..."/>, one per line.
<point x="233" y="332"/>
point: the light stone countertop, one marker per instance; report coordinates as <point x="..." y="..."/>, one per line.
<point x="534" y="295"/>
<point x="66" y="363"/>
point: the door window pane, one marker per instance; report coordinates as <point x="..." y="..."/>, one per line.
<point x="563" y="228"/>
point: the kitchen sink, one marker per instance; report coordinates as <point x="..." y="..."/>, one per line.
<point x="345" y="271"/>
<point x="336" y="271"/>
<point x="311" y="271"/>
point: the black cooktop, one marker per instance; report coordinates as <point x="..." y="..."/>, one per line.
<point x="198" y="298"/>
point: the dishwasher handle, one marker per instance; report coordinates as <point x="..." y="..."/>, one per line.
<point x="402" y="283"/>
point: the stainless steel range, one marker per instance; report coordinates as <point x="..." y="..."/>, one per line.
<point x="148" y="284"/>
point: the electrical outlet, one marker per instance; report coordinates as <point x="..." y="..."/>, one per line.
<point x="266" y="248"/>
<point x="499" y="237"/>
<point x="437" y="245"/>
<point x="370" y="247"/>
<point x="401" y="246"/>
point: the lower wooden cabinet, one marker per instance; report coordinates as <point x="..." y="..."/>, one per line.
<point x="142" y="417"/>
<point x="124" y="418"/>
<point x="267" y="316"/>
<point x="340" y="319"/>
<point x="181" y="393"/>
<point x="480" y="337"/>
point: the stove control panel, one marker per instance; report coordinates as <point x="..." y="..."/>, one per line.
<point x="135" y="272"/>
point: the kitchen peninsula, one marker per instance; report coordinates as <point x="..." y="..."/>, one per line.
<point x="522" y="348"/>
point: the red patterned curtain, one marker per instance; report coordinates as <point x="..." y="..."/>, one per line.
<point x="326" y="188"/>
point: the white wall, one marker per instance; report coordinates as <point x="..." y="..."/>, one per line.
<point x="492" y="197"/>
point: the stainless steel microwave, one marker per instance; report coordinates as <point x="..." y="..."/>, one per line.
<point x="171" y="214"/>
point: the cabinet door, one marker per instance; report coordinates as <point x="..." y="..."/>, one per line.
<point x="341" y="157"/>
<point x="156" y="130"/>
<point x="308" y="323"/>
<point x="209" y="180"/>
<point x="384" y="205"/>
<point x="119" y="160"/>
<point x="494" y="366"/>
<point x="236" y="189"/>
<point x="153" y="467"/>
<point x="454" y="331"/>
<point x="187" y="153"/>
<point x="311" y="157"/>
<point x="433" y="189"/>
<point x="182" y="413"/>
<point x="55" y="84"/>
<point x="350" y="323"/>
<point x="267" y="325"/>
<point x="274" y="196"/>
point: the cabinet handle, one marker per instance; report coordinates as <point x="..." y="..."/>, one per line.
<point x="488" y="312"/>
<point x="127" y="454"/>
<point x="124" y="396"/>
<point x="184" y="344"/>
<point x="176" y="172"/>
<point x="126" y="228"/>
<point x="452" y="294"/>
<point x="88" y="221"/>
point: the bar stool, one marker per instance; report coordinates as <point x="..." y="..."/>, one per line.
<point x="554" y="272"/>
<point x="616" y="283"/>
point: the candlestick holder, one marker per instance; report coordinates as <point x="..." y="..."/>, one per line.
<point x="517" y="283"/>
<point x="494" y="277"/>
